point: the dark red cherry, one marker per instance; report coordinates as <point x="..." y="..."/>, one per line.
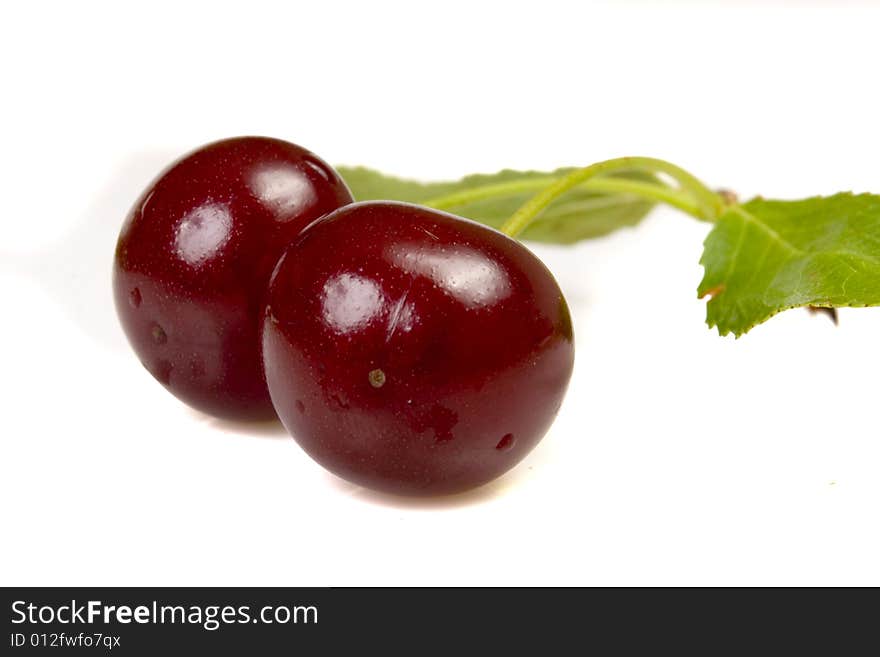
<point x="412" y="351"/>
<point x="194" y="259"/>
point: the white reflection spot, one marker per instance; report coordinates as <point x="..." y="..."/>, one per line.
<point x="202" y="233"/>
<point x="350" y="302"/>
<point x="282" y="188"/>
<point x="465" y="273"/>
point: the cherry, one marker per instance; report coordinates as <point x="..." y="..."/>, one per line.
<point x="194" y="258"/>
<point x="412" y="351"/>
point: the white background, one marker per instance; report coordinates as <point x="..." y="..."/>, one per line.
<point x="678" y="458"/>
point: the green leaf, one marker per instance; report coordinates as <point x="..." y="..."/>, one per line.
<point x="581" y="214"/>
<point x="767" y="256"/>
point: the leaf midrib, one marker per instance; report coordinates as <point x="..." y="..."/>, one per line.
<point x="774" y="234"/>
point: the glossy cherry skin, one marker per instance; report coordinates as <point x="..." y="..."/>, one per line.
<point x="414" y="352"/>
<point x="194" y="259"/>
